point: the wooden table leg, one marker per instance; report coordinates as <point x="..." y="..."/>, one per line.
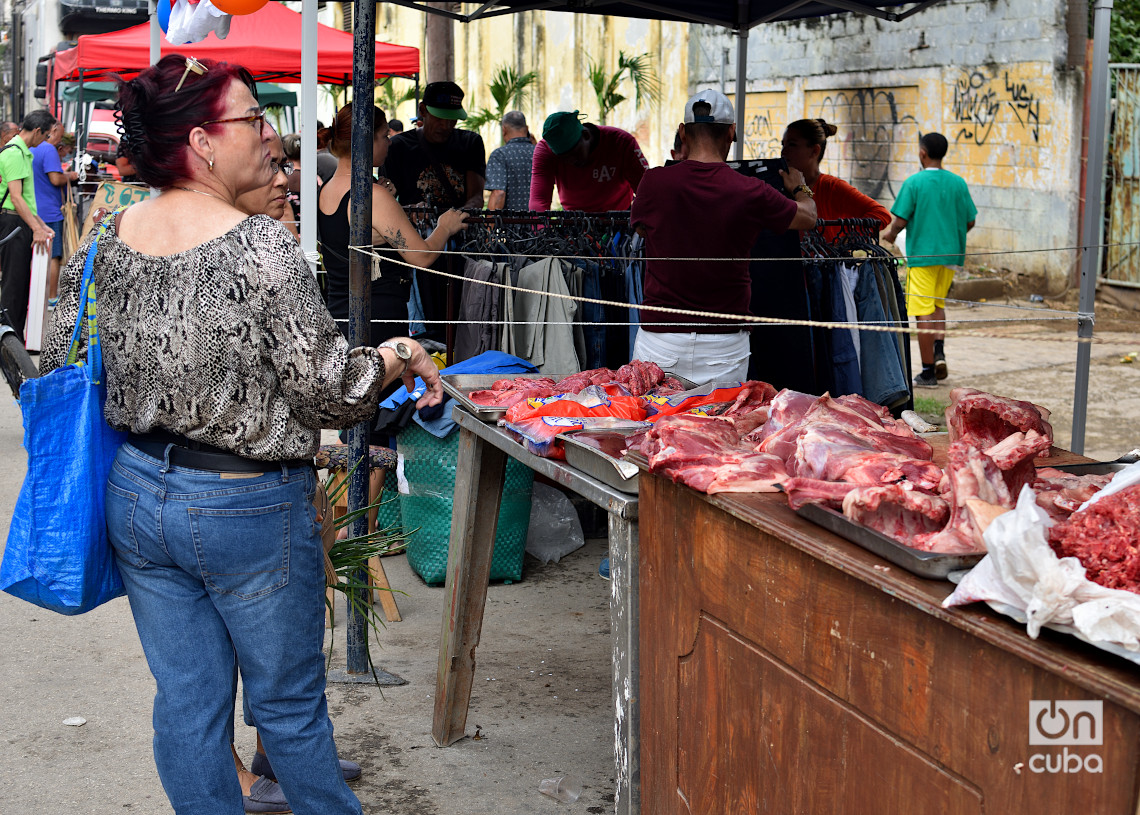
<point x="479" y="475"/>
<point x="624" y="627"/>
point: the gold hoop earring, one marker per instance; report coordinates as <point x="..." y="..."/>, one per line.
<point x="210" y="164"/>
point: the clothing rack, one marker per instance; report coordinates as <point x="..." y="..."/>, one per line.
<point x="594" y="250"/>
<point x="852" y="245"/>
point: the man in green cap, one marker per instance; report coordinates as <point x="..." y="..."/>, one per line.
<point x="443" y="166"/>
<point x="438" y="163"/>
<point x="596" y="168"/>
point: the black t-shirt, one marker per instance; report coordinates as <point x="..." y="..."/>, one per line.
<point x="410" y="167"/>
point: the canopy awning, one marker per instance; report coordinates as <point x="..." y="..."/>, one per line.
<point x="267" y="42"/>
<point x="268" y="94"/>
<point x="737" y="14"/>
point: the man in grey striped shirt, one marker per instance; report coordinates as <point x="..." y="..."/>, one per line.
<point x="508" y="168"/>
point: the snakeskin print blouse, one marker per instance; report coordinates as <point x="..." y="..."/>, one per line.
<point x="228" y="343"/>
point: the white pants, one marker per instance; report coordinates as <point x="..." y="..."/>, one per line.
<point x="701" y="358"/>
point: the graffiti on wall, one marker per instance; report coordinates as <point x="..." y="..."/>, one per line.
<point x="765" y="117"/>
<point x="980" y="98"/>
<point x="877" y="132"/>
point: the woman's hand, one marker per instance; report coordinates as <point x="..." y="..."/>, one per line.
<point x="421" y="365"/>
<point x="452" y="221"/>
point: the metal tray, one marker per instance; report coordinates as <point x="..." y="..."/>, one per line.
<point x="1101" y="467"/>
<point x="621" y="475"/>
<point x="934" y="565"/>
<point x="458" y="386"/>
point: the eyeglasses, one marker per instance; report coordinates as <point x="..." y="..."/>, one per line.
<point x="281" y="167"/>
<point x="256" y="119"/>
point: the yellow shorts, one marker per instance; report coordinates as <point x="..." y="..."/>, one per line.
<point x="925" y="288"/>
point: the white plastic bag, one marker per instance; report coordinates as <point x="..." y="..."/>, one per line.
<point x="190" y="23"/>
<point x="1023" y="572"/>
<point x="554" y="530"/>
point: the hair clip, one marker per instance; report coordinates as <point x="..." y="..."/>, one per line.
<point x="191" y="65"/>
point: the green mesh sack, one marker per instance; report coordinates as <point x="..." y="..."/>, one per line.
<point x="388" y="515"/>
<point x="425" y="511"/>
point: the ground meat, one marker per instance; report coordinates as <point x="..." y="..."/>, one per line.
<point x="1105" y="538"/>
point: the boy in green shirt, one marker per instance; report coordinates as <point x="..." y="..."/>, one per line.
<point x="935" y="208"/>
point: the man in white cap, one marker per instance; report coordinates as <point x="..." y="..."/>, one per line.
<point x="702" y="208"/>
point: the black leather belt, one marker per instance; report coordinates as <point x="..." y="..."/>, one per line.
<point x="198" y="456"/>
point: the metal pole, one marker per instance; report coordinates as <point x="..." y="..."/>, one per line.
<point x="80" y="119"/>
<point x="360" y="277"/>
<point x="1091" y="229"/>
<point x="741" y="77"/>
<point x="308" y="130"/>
<point x="155" y="34"/>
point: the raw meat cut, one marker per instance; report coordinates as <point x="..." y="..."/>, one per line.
<point x="786" y="407"/>
<point x="898" y="438"/>
<point x="706" y="454"/>
<point x="1105" y="538"/>
<point x="1060" y="494"/>
<point x="984" y="419"/>
<point x="753" y="472"/>
<point x="814" y="491"/>
<point x="972" y="474"/>
<point x="899" y="511"/>
<point x="1014" y="457"/>
<point x="505" y="392"/>
<point x="824" y="450"/>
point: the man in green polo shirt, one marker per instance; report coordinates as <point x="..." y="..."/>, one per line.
<point x="18" y="213"/>
<point x="935" y="209"/>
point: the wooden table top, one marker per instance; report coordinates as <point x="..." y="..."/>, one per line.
<point x="1100" y="672"/>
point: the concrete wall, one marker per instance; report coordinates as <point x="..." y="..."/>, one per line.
<point x="557" y="45"/>
<point x="993" y="77"/>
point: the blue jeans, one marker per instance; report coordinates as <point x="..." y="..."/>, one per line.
<point x="220" y="568"/>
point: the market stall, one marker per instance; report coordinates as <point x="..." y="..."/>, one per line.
<point x="787" y="598"/>
<point x="784" y="669"/>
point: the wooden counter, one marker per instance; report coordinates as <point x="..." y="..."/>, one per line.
<point x="787" y="671"/>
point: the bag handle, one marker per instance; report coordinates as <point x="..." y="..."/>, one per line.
<point x="87" y="312"/>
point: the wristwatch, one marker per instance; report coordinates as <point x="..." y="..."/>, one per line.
<point x="804" y="188"/>
<point x="403" y="351"/>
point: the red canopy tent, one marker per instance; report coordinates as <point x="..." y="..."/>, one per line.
<point x="267" y="42"/>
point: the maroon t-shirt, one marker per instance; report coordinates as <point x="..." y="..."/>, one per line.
<point x="700" y="210"/>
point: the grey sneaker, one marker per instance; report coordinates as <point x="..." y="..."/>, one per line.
<point x="926" y="380"/>
<point x="940" y="369"/>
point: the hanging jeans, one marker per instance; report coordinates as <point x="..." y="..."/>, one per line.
<point x="219" y="568"/>
<point x="844" y="361"/>
<point x="883" y="377"/>
<point x="700" y="358"/>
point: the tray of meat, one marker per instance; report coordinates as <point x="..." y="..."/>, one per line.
<point x="487" y="396"/>
<point x="934" y="565"/>
<point x="599" y="454"/>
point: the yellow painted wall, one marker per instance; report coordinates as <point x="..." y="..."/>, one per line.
<point x="1011" y="129"/>
<point x="557" y="46"/>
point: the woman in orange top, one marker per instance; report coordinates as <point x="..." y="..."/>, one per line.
<point x="805" y="141"/>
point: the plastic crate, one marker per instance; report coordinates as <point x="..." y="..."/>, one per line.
<point x="425" y="512"/>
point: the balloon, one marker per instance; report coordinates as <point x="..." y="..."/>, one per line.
<point x="239" y="6"/>
<point x="163" y="15"/>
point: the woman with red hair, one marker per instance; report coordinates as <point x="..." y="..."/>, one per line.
<point x="222" y="364"/>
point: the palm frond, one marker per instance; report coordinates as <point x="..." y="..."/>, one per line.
<point x="646" y="85"/>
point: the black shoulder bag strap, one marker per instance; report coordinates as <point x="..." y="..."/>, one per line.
<point x="440" y="173"/>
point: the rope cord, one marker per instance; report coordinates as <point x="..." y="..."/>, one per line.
<point x="730" y="319"/>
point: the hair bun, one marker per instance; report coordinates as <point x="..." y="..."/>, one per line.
<point x="828" y="128"/>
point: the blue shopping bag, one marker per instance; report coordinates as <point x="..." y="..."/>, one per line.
<point x="57" y="555"/>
